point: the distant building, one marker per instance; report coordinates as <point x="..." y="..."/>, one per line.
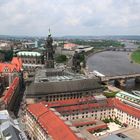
<point x="31" y="44"/>
<point x="83" y="48"/>
<point x="5" y="45"/>
<point x="31" y="60"/>
<point x="34" y="57"/>
<point x="70" y="46"/>
<point x="60" y="50"/>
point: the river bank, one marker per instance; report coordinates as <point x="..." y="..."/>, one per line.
<point x="114" y="63"/>
<point x="89" y="54"/>
<point x="135" y="56"/>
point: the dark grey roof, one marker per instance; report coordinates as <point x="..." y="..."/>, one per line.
<point x="115" y="137"/>
<point x="12" y="132"/>
<point x="62" y="86"/>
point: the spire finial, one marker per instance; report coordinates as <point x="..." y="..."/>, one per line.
<point x="49" y="31"/>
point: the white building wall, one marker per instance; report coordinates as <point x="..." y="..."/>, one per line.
<point x="105" y="113"/>
<point x="126" y="118"/>
<point x="34" y="129"/>
<point x="94" y="113"/>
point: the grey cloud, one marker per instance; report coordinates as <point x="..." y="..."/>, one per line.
<point x="77" y="17"/>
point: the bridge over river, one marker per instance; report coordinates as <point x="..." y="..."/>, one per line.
<point x="113" y="64"/>
<point x="119" y="77"/>
<point x="122" y="49"/>
<point x="120" y="80"/>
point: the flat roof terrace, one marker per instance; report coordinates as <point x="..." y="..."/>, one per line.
<point x="56" y="75"/>
<point x="131" y="133"/>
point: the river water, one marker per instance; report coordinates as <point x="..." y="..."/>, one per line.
<point x="114" y="63"/>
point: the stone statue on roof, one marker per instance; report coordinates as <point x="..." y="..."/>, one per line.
<point x="76" y="62"/>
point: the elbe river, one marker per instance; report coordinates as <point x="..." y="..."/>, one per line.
<point x="115" y="63"/>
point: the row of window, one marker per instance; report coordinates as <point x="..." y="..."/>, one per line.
<point x="36" y="128"/>
<point x="65" y="96"/>
<point x="87" y="114"/>
<point x="131" y="120"/>
<point x="131" y="99"/>
<point x="31" y="61"/>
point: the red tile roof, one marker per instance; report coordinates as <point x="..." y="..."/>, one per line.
<point x="74" y="104"/>
<point x="51" y="123"/>
<point x="85" y="106"/>
<point x="15" y="65"/>
<point x="84" y="123"/>
<point x="18" y="62"/>
<point x="102" y="126"/>
<point x="8" y="95"/>
<point x="69" y="102"/>
<point x="69" y="45"/>
<point x="126" y="108"/>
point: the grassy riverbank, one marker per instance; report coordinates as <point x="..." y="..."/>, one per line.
<point x="135" y="56"/>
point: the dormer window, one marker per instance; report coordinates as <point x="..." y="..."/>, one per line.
<point x="6" y="69"/>
<point x="14" y="70"/>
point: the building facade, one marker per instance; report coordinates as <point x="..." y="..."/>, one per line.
<point x="11" y="81"/>
<point x="72" y="112"/>
<point x="31" y="60"/>
<point x="45" y="124"/>
<point x="91" y="108"/>
<point x="52" y="85"/>
<point x="8" y="71"/>
<point x="9" y="96"/>
<point x="132" y="99"/>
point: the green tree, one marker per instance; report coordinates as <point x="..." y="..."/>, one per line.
<point x="61" y="58"/>
<point x="8" y="54"/>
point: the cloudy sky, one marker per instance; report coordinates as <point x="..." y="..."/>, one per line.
<point x="70" y="17"/>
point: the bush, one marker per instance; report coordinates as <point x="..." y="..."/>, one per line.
<point x="117" y="121"/>
<point x="106" y="120"/>
<point x="61" y="58"/>
<point x="110" y="95"/>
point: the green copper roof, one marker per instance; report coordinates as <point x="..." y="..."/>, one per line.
<point x="122" y="94"/>
<point x="26" y="53"/>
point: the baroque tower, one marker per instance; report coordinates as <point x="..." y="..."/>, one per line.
<point x="49" y="52"/>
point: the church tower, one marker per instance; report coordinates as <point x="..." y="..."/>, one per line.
<point x="76" y="67"/>
<point x="49" y="52"/>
